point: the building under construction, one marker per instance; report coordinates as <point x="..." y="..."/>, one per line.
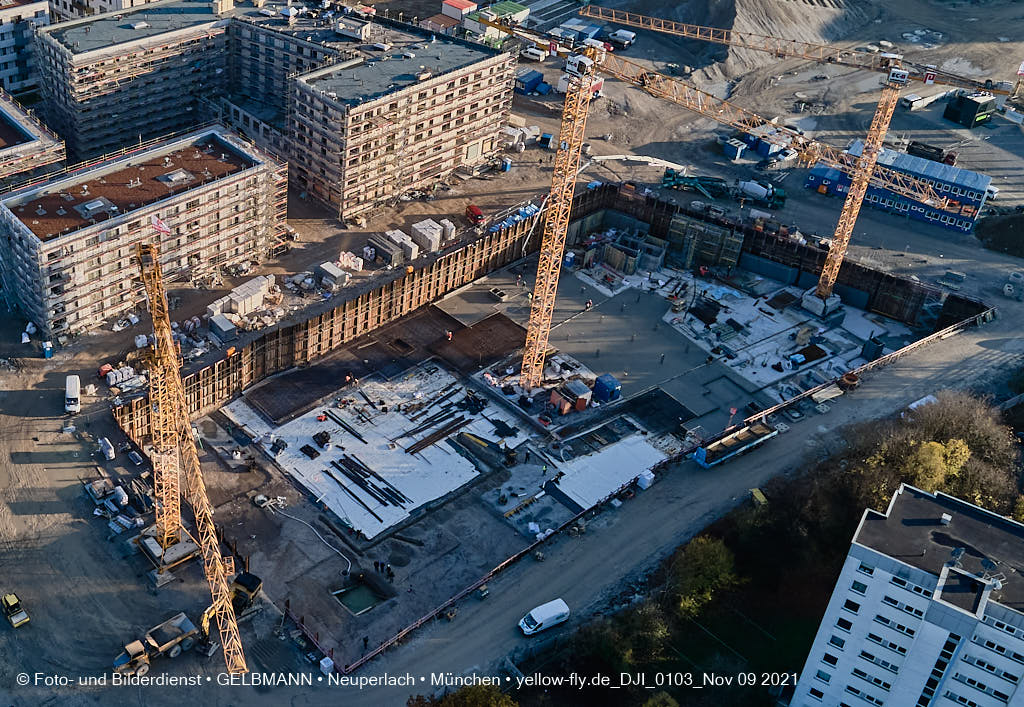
<point x="365" y="110"/>
<point x="27" y="147"/>
<point x="212" y="199"/>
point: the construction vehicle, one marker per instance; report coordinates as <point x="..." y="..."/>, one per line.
<point x="762" y="193"/>
<point x="178" y="633"/>
<point x="174" y="451"/>
<point x="711" y="187"/>
<point x="898" y="74"/>
<point x="170" y="638"/>
<point x="14" y="611"/>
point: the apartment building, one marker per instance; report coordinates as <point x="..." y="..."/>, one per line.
<point x="27" y="147"/>
<point x="928" y="610"/>
<point x="967" y="191"/>
<point x="364" y="130"/>
<point x="115" y="80"/>
<point x="18" y="22"/>
<point x="329" y="90"/>
<point x="211" y="198"/>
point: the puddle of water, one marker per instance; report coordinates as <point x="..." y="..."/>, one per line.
<point x="358" y="599"/>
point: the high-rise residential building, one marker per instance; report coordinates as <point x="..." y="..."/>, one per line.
<point x="68" y="262"/>
<point x="927" y="611"/>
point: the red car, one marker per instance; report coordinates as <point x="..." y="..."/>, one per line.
<point x="474" y="214"/>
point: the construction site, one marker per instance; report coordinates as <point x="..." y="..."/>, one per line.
<point x="397" y="425"/>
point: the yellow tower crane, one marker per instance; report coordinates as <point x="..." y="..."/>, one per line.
<point x="175" y="455"/>
<point x="898" y="74"/>
<point x="556" y="224"/>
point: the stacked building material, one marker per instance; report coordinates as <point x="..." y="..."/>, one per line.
<point x="244" y="299"/>
<point x="428" y="234"/>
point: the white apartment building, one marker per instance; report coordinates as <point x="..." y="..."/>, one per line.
<point x="68" y="252"/>
<point x="72" y="9"/>
<point x="18" y="22"/>
<point x="927" y="611"/>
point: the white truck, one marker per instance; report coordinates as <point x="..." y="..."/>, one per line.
<point x="544" y="616"/>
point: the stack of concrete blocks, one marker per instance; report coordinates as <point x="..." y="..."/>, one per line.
<point x="410" y="249"/>
<point x="428" y="234"/>
<point x="351" y="261"/>
<point x="244" y="299"/>
<point x="447" y="230"/>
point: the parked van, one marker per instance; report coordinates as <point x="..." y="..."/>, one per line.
<point x="72" y="395"/>
<point x="533" y="54"/>
<point x="474" y="214"/>
<point x="622" y="38"/>
<point x="544" y="617"/>
<point x="107" y="449"/>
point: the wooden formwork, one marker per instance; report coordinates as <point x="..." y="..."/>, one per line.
<point x="302" y="342"/>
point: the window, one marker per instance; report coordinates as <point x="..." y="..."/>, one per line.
<point x="859" y="587"/>
<point x="816" y="693"/>
<point x="837" y="642"/>
<point x="830" y="659"/>
<point x="844" y="624"/>
<point x="823" y="676"/>
<point x="851" y="606"/>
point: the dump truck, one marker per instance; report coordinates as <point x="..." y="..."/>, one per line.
<point x="178" y="634"/>
<point x="169" y="638"/>
<point x="13" y="610"/>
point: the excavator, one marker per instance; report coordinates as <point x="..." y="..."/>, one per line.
<point x="179" y="634"/>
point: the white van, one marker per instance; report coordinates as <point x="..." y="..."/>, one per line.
<point x="622" y="38"/>
<point x="72" y="395"/>
<point x="533" y="54"/>
<point x="544" y="617"/>
<point x="107" y="449"/>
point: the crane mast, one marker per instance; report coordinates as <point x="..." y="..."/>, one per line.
<point x="556" y="224"/>
<point x="175" y="452"/>
<point x="859" y="183"/>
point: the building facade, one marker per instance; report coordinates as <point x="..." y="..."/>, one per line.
<point x="67" y="262"/>
<point x="18" y="23"/>
<point x="968" y="191"/>
<point x="927" y="611"/>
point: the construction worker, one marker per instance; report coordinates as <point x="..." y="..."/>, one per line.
<point x="589" y="304"/>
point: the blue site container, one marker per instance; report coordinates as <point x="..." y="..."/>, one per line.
<point x="607" y="388"/>
<point x="733" y="149"/>
<point x="527" y="80"/>
<point x="767" y="149"/>
<point x="545" y="139"/>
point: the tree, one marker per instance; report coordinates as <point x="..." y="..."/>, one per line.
<point x="1018" y="510"/>
<point x="478" y="696"/>
<point x="645" y="632"/>
<point x="700" y="569"/>
<point x="661" y="699"/>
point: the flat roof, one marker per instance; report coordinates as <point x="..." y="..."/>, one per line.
<point x="382" y="72"/>
<point x="912" y="532"/>
<point x="11" y="133"/>
<point x="149" y="20"/>
<point x="119" y="186"/>
<point x="902" y="162"/>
